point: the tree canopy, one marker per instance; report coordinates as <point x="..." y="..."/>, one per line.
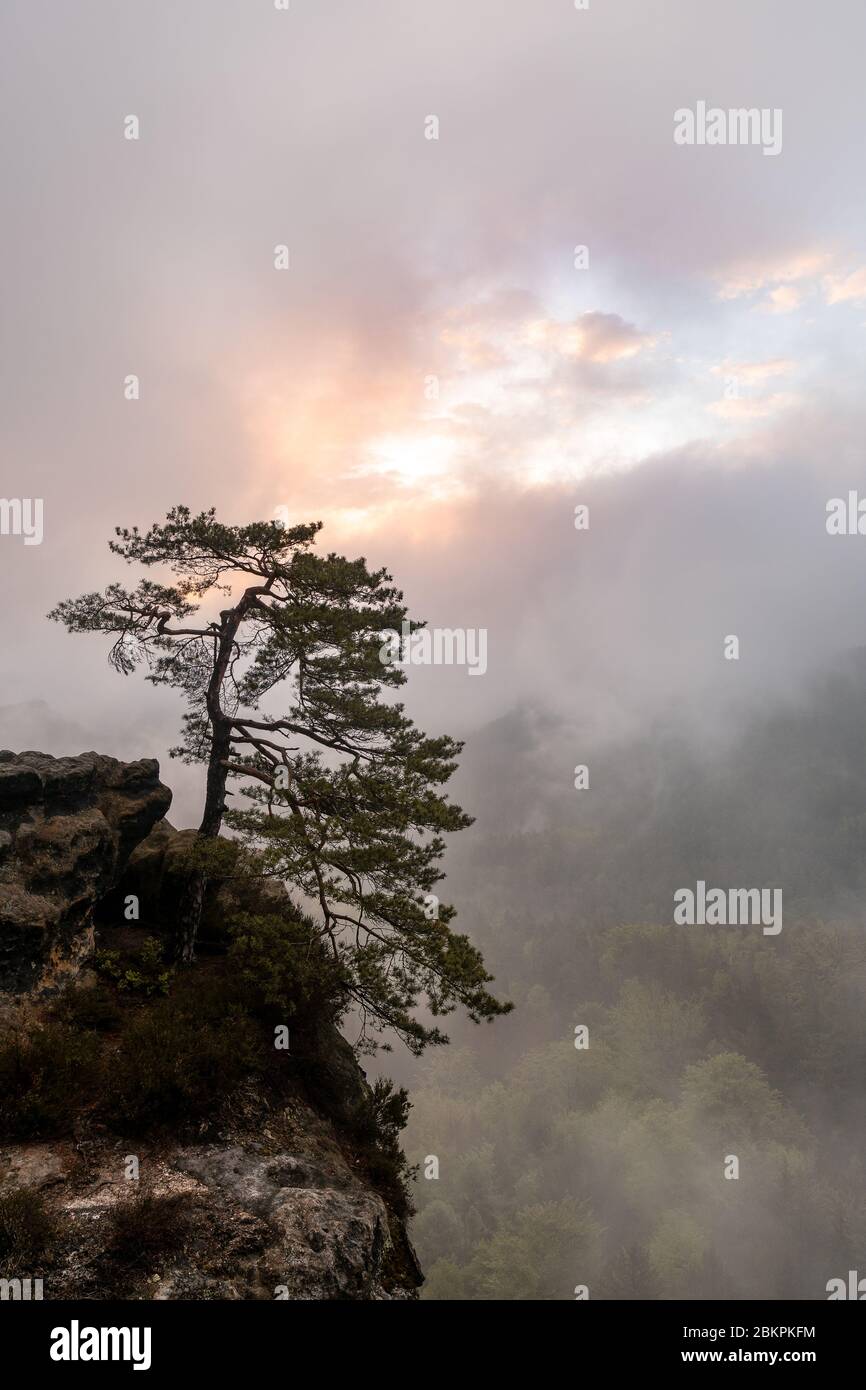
<point x="287" y="691"/>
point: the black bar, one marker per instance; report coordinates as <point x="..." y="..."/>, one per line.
<point x="242" y="1338"/>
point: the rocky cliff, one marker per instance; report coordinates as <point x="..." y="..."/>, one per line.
<point x="67" y="828"/>
<point x="155" y="1142"/>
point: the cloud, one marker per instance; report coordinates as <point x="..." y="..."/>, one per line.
<point x="753" y="407"/>
<point x="840" y="289"/>
<point x="593" y="337"/>
<point x="750" y="277"/>
<point x="784" y="284"/>
<point x="778" y="286"/>
<point x="782" y="300"/>
<point x="754" y="372"/>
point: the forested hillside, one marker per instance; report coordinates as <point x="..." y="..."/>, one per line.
<point x="605" y="1165"/>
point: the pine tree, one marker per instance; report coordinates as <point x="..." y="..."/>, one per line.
<point x="342" y="791"/>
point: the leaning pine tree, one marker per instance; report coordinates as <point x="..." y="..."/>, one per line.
<point x="341" y="790"/>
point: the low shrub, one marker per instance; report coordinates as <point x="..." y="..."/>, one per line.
<point x="144" y="1226"/>
<point x="46" y="1076"/>
<point x="174" y="1064"/>
<point x="144" y="973"/>
<point x="93" y="1009"/>
<point x="27" y="1231"/>
<point x="379" y="1144"/>
<point x="279" y="964"/>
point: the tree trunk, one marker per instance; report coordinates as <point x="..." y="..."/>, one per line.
<point x="191" y="903"/>
<point x="189" y="910"/>
<point x="192" y="900"/>
<point x="215" y="796"/>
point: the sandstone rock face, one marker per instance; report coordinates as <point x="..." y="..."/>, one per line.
<point x="156" y="873"/>
<point x="275" y="1215"/>
<point x="328" y="1237"/>
<point x="67" y="828"/>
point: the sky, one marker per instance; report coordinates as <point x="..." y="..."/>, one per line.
<point x="438" y="376"/>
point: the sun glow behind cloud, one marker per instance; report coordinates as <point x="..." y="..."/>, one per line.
<point x="496" y="389"/>
<point x="414" y="458"/>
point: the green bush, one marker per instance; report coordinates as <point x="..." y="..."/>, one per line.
<point x="377" y="1137"/>
<point x="145" y="973"/>
<point x="279" y="963"/>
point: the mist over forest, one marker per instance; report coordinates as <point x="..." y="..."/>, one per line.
<point x="603" y="1166"/>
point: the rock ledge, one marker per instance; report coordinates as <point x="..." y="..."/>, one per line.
<point x="67" y="828"/>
